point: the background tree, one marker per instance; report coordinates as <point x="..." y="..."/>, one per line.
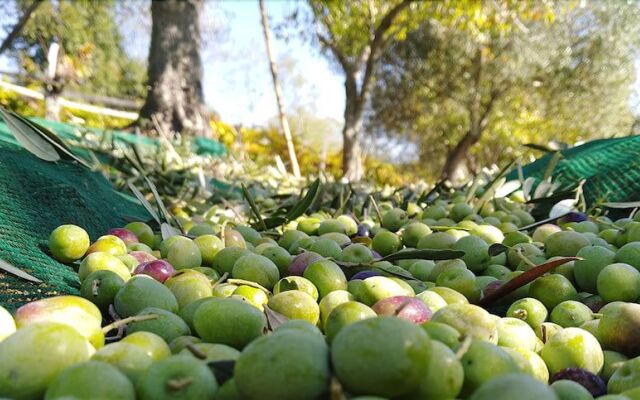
<point x="507" y="77"/>
<point x="17" y="28"/>
<point x="91" y="47"/>
<point x="175" y="98"/>
<point x="356" y="34"/>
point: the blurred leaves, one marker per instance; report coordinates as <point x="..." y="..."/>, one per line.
<point x="541" y="65"/>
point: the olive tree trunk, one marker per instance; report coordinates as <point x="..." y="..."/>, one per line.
<point x="175" y="100"/>
<point x="359" y="72"/>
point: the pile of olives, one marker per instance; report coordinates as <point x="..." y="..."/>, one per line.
<point x="320" y="310"/>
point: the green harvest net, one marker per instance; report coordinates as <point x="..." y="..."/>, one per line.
<point x="611" y="168"/>
<point x="36" y="196"/>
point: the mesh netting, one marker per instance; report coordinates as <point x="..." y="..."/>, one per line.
<point x="611" y="168"/>
<point x="37" y="196"/>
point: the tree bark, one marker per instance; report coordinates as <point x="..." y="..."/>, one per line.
<point x="357" y="97"/>
<point x="175" y="99"/>
<point x="352" y="155"/>
<point x="457" y="156"/>
<point x="284" y="124"/>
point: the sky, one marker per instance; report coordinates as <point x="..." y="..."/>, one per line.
<point x="237" y="80"/>
<point x="239" y="86"/>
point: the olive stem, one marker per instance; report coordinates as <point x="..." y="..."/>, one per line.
<point x="179" y="384"/>
<point x="402" y="306"/>
<point x="524" y="258"/>
<point x="375" y="207"/>
<point x="520" y="313"/>
<point x="196" y="352"/>
<point x="94" y="287"/>
<point x="464" y="347"/>
<point x="125" y="321"/>
<point x="220" y="280"/>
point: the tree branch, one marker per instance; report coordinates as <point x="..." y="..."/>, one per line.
<point x="376" y="45"/>
<point x="489" y="107"/>
<point x="342" y="60"/>
<point x="17" y="28"/>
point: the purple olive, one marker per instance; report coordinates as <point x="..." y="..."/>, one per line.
<point x="365" y="274"/>
<point x="126" y="235"/>
<point x="593" y="383"/>
<point x="573" y="217"/>
<point x="376" y="255"/>
<point x="405" y="307"/>
<point x="159" y="270"/>
<point x="363" y="231"/>
<point x="142" y="256"/>
<point x="594" y="302"/>
<point x="302" y="261"/>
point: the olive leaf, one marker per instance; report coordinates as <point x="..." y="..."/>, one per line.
<point x="133" y="162"/>
<point x="542" y="222"/>
<point x="222" y="370"/>
<point x="539" y="147"/>
<point x="29" y="138"/>
<point x="430" y="195"/>
<point x="274" y="222"/>
<point x="471" y="192"/>
<point x="497" y="248"/>
<point x="287" y="284"/>
<point x="622" y="205"/>
<point x="343" y="202"/>
<point x="53" y="138"/>
<point x="426" y="254"/>
<point x="274" y="319"/>
<point x="348" y="264"/>
<point x="527" y="186"/>
<point x="508" y="188"/>
<point x="144" y="202"/>
<point x="523" y="279"/>
<point x="249" y="283"/>
<point x="446" y="228"/>
<point x="555" y="159"/>
<point x="303" y="205"/>
<point x="37" y="139"/>
<point x="165" y="213"/>
<point x="491" y="187"/>
<point x="394" y="270"/>
<point x="5" y="266"/>
<point x="167" y="231"/>
<point x="375" y="207"/>
<point x="254" y="207"/>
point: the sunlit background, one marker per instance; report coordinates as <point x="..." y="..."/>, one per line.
<point x="416" y="133"/>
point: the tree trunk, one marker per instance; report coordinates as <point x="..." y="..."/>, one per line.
<point x="175" y="99"/>
<point x="284" y="124"/>
<point x="457" y="156"/>
<point x="352" y="157"/>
